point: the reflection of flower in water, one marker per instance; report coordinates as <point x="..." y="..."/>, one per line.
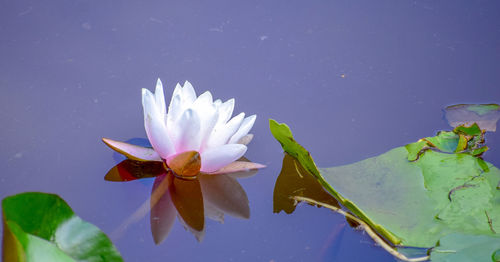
<point x="191" y="201"/>
<point x="193" y="124"/>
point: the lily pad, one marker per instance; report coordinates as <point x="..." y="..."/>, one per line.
<point x="411" y="203"/>
<point x="42" y="227"/>
<point x="485" y="115"/>
<point x="465" y="248"/>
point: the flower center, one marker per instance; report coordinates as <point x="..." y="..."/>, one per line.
<point x="186" y="164"/>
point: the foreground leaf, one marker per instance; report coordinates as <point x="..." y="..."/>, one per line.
<point x="42" y="227"/>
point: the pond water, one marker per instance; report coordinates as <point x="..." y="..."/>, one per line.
<point x="352" y="80"/>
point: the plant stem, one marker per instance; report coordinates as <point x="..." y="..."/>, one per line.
<point x="366" y="227"/>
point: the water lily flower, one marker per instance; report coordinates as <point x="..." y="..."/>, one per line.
<point x="196" y="134"/>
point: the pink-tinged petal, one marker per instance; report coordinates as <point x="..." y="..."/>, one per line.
<point x="186" y="132"/>
<point x="163" y="211"/>
<point x="244" y="129"/>
<point x="133" y="152"/>
<point x="245" y="140"/>
<point x="155" y="126"/>
<point x="239" y="166"/>
<point x="226" y="194"/>
<point x="214" y="159"/>
<point x="188" y="93"/>
<point x="221" y="134"/>
<point x="160" y="98"/>
<point x="158" y="137"/>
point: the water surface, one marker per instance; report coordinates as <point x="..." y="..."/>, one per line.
<point x="352" y="80"/>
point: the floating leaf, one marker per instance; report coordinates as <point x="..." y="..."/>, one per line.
<point x="472" y="130"/>
<point x="444" y="141"/>
<point x="415" y="149"/>
<point x="411" y="203"/>
<point x="42" y="227"/>
<point x="133" y="152"/>
<point x="479" y="151"/>
<point x="462" y="144"/>
<point x="485" y="115"/>
<point x="283" y="134"/>
<point x="465" y="248"/>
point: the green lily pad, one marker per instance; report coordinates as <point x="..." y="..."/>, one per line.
<point x="472" y="130"/>
<point x="412" y="203"/>
<point x="465" y="248"/>
<point x="42" y="227"/>
<point x="485" y="115"/>
<point x="444" y="141"/>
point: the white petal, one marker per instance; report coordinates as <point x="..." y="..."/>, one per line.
<point x="204" y="99"/>
<point x="177" y="93"/>
<point x="244" y="129"/>
<point x="175" y="110"/>
<point x="149" y="103"/>
<point x="158" y="136"/>
<point x="214" y="159"/>
<point x="217" y="102"/>
<point x="221" y="134"/>
<point x="225" y="111"/>
<point x="187" y="132"/>
<point x="208" y="118"/>
<point x="160" y="97"/>
<point x="155" y="126"/>
<point x="188" y="93"/>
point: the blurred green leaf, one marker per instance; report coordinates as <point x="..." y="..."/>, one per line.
<point x="42" y="227"/>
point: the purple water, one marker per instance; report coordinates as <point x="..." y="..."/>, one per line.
<point x="352" y="80"/>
